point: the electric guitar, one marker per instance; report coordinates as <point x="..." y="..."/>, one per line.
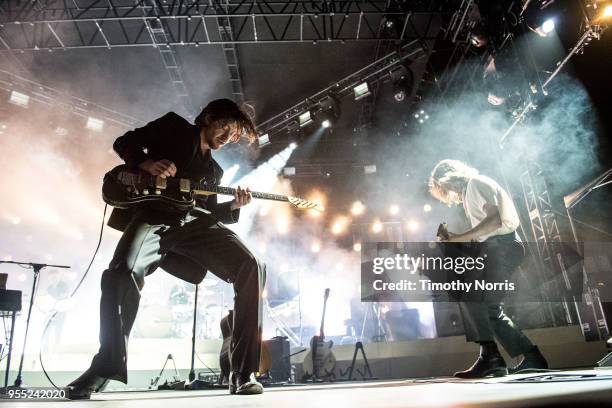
<point x="320" y="361"/>
<point x="126" y="188"/>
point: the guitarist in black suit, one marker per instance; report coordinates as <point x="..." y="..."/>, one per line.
<point x="184" y="244"/>
<point x="494" y="221"/>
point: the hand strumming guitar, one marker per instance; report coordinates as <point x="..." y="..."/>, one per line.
<point x="164" y="168"/>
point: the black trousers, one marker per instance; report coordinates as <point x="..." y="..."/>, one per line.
<point x="198" y="244"/>
<point x="485" y="320"/>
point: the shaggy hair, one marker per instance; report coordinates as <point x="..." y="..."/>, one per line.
<point x="227" y="113"/>
<point x="449" y="177"/>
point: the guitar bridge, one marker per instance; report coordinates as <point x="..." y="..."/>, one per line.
<point x="185" y="185"/>
<point x="160" y="183"/>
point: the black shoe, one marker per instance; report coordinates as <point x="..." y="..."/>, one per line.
<point x="532" y="360"/>
<point x="88" y="382"/>
<point x="484" y="367"/>
<point x="240" y="385"/>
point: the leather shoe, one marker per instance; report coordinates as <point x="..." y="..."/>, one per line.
<point x="532" y="360"/>
<point x="240" y="385"/>
<point x="88" y="382"/>
<point x="484" y="367"/>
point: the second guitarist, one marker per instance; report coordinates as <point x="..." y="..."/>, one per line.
<point x="186" y="244"/>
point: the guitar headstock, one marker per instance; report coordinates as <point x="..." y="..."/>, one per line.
<point x="303" y="204"/>
<point x="442" y="232"/>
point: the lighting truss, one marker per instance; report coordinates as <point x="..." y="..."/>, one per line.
<point x="55" y="24"/>
<point x="57" y="99"/>
<point x="372" y="73"/>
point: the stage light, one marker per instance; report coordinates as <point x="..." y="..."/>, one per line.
<point x="315" y="247"/>
<point x="361" y="91"/>
<point x="19" y="99"/>
<point x="305" y="119"/>
<point x="292" y="145"/>
<point x="495" y="100"/>
<point x="340" y="224"/>
<point x="412" y="225"/>
<point x="427" y="208"/>
<point x="357" y="208"/>
<point x="94" y="124"/>
<point x="403" y="83"/>
<point x="289" y="171"/>
<point x="377" y="226"/>
<point x="263" y="140"/>
<point x="606" y="13"/>
<point x="394" y="209"/>
<point x="478" y="40"/>
<point x="548" y="26"/>
<point x="328" y="112"/>
<point x="369" y="169"/>
<point x="357" y="246"/>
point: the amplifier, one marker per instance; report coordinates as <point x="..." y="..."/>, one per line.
<point x="278" y="346"/>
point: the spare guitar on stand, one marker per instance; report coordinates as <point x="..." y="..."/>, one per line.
<point x="320" y="362"/>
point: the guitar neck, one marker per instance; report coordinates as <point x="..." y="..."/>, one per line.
<point x="321" y="331"/>
<point x="232" y="191"/>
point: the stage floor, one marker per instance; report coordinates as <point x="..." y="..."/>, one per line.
<point x="559" y="388"/>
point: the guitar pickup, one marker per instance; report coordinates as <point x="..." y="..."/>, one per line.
<point x="160" y="183"/>
<point x="185" y="186"/>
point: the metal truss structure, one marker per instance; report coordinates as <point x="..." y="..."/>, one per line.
<point x="287" y="121"/>
<point x="58" y="25"/>
<point x="158" y="33"/>
<point x="59" y="100"/>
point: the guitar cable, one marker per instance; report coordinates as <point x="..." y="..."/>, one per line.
<point x="74" y="291"/>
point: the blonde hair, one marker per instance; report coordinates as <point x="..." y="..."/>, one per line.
<point x="448" y="177"/>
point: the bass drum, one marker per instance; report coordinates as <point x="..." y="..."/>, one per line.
<point x="154" y="321"/>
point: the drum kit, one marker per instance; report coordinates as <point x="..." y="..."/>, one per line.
<point x="174" y="319"/>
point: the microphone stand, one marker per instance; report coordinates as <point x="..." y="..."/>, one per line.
<point x="37" y="267"/>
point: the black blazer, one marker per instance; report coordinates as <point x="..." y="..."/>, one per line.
<point x="173" y="138"/>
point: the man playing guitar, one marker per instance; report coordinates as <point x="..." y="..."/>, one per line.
<point x="186" y="244"/>
<point x="494" y="219"/>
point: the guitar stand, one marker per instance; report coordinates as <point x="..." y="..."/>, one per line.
<point x="349" y="371"/>
<point x="176" y="384"/>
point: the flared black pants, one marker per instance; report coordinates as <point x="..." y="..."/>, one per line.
<point x="186" y="248"/>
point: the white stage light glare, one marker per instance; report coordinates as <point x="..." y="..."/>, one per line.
<point x="357" y="246"/>
<point x="548" y="26"/>
<point x="305" y="119"/>
<point x="394" y="209"/>
<point x="326" y="124"/>
<point x="377" y="226"/>
<point x="315" y="247"/>
<point x="263" y="140"/>
<point x="289" y="171"/>
<point x="94" y="124"/>
<point x="412" y="225"/>
<point x="19" y="99"/>
<point x="361" y="91"/>
<point x="357" y="208"/>
<point x="340" y="225"/>
<point x="427" y="208"/>
<point x="369" y="169"/>
<point x="292" y="145"/>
